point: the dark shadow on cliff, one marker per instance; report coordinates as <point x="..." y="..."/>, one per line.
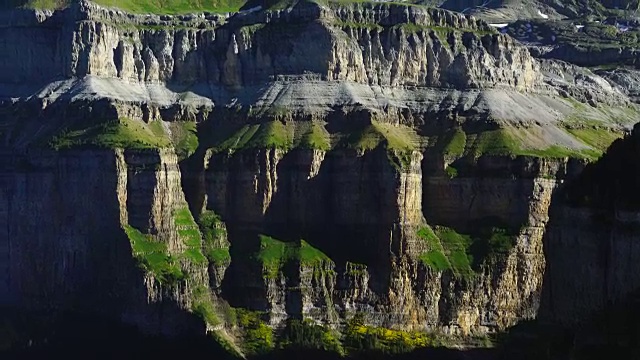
<point x="84" y="336"/>
<point x="577" y="319"/>
<point x="427" y="353"/>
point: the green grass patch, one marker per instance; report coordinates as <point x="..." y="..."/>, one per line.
<point x="257" y="336"/>
<point x="456" y="144"/>
<point x="214" y="235"/>
<point x="174" y="6"/>
<point x="190" y="236"/>
<point x="272" y="134"/>
<point x="457" y="249"/>
<point x="153" y="257"/>
<point x="464" y="253"/>
<point x="184" y="136"/>
<point x="316" y="137"/>
<point x="202" y="305"/>
<point x="599" y="139"/>
<point x="34" y="4"/>
<point x="451" y="172"/>
<point x="561" y="152"/>
<point x="400" y="141"/>
<point x="274" y="254"/>
<point x="395" y="137"/>
<point x="121" y="133"/>
<point x="493" y="142"/>
<point x="500" y="142"/>
<point x="434" y="257"/>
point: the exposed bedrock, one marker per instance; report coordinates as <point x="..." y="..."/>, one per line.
<point x="65" y="246"/>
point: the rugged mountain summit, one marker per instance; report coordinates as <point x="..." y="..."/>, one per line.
<point x="392" y="164"/>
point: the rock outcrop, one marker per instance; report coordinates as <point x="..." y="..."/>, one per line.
<point x="320" y="162"/>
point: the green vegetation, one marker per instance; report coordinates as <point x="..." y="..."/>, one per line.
<point x="257" y="336"/>
<point x="400" y="141"/>
<point x="463" y="253"/>
<point x="273" y="254"/>
<point x="456" y="144"/>
<point x="457" y="249"/>
<point x="307" y="335"/>
<point x="396" y="137"/>
<point x="451" y="172"/>
<point x="190" y="236"/>
<point x="273" y="134"/>
<point x="121" y="133"/>
<point x="214" y="235"/>
<point x="174" y="6"/>
<point x="153" y="257"/>
<point x="434" y="257"/>
<point x="599" y="139"/>
<point x="492" y="142"/>
<point x="184" y="137"/>
<point x="34" y="4"/>
<point x="502" y="142"/>
<point x="359" y="337"/>
<point x="316" y="138"/>
<point x="203" y="305"/>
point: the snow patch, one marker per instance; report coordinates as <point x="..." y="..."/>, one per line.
<point x="544" y="16"/>
<point x="500" y="25"/>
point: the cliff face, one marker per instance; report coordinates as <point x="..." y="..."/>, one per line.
<point x="601" y="252"/>
<point x="68" y="218"/>
<point x="388" y="163"/>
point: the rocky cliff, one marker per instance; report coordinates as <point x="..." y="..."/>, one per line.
<point x="386" y="163"/>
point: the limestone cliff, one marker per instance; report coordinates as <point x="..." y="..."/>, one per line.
<point x="388" y="163"/>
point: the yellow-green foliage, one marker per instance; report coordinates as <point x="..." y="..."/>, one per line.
<point x="435" y="257"/>
<point x="599" y="139"/>
<point x="461" y="253"/>
<point x="307" y="335"/>
<point x="120" y="133"/>
<point x="154" y="257"/>
<point x="203" y="305"/>
<point x="257" y="336"/>
<point x="174" y="6"/>
<point x="184" y="137"/>
<point x="214" y="236"/>
<point x="272" y="134"/>
<point x="456" y="144"/>
<point x="395" y="137"/>
<point x="360" y="337"/>
<point x="509" y="142"/>
<point x="274" y="254"/>
<point x="316" y="137"/>
<point x="190" y="235"/>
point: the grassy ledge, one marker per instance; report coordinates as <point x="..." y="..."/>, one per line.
<point x="274" y="254"/>
<point x="184" y="136"/>
<point x="154" y="257"/>
<point x="120" y="133"/>
<point x="214" y="235"/>
<point x="464" y="253"/>
<point x="189" y="234"/>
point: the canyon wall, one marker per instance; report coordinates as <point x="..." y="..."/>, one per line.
<point x="390" y="162"/>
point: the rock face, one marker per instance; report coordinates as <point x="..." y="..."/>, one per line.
<point x="602" y="252"/>
<point x="62" y="255"/>
<point x="387" y="161"/>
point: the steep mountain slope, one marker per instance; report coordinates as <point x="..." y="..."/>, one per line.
<point x="382" y="170"/>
